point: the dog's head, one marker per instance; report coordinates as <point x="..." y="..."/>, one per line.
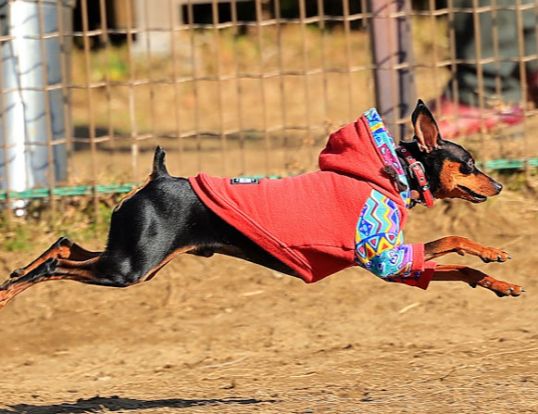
<point x="450" y="168"/>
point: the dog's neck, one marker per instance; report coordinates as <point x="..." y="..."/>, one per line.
<point x="416" y="177"/>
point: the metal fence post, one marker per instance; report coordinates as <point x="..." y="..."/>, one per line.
<point x="393" y="61"/>
<point x="33" y="110"/>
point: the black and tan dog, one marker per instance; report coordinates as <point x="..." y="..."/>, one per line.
<point x="165" y="217"/>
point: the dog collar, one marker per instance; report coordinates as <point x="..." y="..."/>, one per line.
<point x="416" y="171"/>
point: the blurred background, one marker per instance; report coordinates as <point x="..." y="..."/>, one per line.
<point x="246" y="87"/>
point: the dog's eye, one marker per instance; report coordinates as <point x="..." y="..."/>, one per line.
<point x="468" y="167"/>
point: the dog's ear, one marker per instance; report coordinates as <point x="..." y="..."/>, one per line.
<point x="426" y="130"/>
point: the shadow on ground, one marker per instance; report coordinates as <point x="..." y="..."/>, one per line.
<point x="114" y="403"/>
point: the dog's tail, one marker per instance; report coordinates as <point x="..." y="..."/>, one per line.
<point x="159" y="168"/>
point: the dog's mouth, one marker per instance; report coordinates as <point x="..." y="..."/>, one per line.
<point x="474" y="197"/>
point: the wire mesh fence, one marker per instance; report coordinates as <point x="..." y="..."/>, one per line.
<point x="250" y="87"/>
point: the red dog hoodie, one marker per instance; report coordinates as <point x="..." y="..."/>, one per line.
<point x="347" y="213"/>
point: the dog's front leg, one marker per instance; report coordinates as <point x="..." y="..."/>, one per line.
<point x="475" y="278"/>
<point x="462" y="245"/>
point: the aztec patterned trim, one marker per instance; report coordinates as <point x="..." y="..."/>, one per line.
<point x="387" y="149"/>
<point x="379" y="241"/>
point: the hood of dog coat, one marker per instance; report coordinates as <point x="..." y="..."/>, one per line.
<point x="361" y="150"/>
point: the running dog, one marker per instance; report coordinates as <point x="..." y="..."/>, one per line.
<point x="351" y="212"/>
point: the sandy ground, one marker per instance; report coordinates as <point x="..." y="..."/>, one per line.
<point x="224" y="336"/>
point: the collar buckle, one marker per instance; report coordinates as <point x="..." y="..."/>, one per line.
<point x="413" y="166"/>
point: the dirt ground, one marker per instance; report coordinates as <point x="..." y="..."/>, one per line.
<point x="224" y="336"/>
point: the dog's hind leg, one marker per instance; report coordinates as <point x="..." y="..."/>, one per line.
<point x="473" y="277"/>
<point x="102" y="270"/>
<point x="50" y="269"/>
<point x="463" y="245"/>
<point x="63" y="248"/>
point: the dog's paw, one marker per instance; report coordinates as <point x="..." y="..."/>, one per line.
<point x="501" y="288"/>
<point x="492" y="254"/>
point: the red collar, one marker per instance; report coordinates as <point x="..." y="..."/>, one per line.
<point x="416" y="170"/>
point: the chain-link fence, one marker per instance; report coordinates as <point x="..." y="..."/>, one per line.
<point x="250" y="87"/>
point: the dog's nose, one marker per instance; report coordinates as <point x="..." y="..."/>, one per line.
<point x="498" y="186"/>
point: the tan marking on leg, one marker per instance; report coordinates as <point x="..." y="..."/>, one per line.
<point x="473" y="277"/>
<point x="462" y="245"/>
<point x="74" y="252"/>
